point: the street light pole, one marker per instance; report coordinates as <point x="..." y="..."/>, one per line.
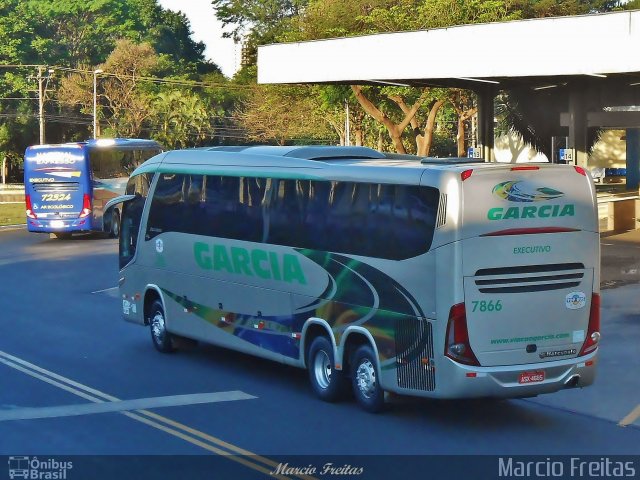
<point x="95" y="102"/>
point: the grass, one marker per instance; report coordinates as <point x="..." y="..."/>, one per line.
<point x="12" y="213"/>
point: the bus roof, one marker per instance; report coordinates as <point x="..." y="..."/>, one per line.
<point x="101" y="143"/>
<point x="309" y="162"/>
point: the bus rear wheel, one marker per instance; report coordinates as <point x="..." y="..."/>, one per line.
<point x="162" y="339"/>
<point x="114" y="231"/>
<point x="327" y="382"/>
<point x="365" y="380"/>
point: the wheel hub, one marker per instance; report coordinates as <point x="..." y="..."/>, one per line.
<point x="157" y="326"/>
<point x="366" y="378"/>
<point x="322" y="369"/>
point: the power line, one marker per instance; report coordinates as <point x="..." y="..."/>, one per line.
<point x="171" y="81"/>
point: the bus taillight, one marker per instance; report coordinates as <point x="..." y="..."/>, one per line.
<point x="593" y="332"/>
<point x="86" y="206"/>
<point x="457" y="345"/>
<point x="30" y="213"/>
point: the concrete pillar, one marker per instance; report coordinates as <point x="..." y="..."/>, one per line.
<point x="633" y="158"/>
<point x="486" y="115"/>
<point x="578" y="126"/>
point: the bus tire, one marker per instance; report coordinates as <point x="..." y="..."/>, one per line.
<point x="114" y="230"/>
<point x="365" y="380"/>
<point x="327" y="382"/>
<point x="161" y="338"/>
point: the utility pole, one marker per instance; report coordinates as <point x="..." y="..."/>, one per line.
<point x="42" y="92"/>
<point x="95" y="101"/>
<point x="41" y="102"/>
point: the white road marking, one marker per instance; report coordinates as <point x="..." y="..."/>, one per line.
<point x="631" y="418"/>
<point x="121" y="405"/>
<point x="106" y="290"/>
<point x="177" y="429"/>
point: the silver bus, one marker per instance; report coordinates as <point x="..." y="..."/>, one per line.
<point x="375" y="272"/>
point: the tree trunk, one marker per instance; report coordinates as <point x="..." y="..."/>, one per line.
<point x="358" y="130"/>
<point x="358" y="136"/>
<point x="336" y="128"/>
<point x="425" y="140"/>
<point x="395" y="131"/>
<point x="462" y="118"/>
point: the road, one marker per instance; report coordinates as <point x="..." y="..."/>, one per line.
<point x="75" y="379"/>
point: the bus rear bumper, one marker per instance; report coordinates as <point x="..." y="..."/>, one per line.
<point x="59" y="226"/>
<point x="455" y="380"/>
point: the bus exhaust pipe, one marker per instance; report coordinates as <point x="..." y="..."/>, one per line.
<point x="572" y="382"/>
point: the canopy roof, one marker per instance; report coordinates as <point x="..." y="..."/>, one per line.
<point x="535" y="53"/>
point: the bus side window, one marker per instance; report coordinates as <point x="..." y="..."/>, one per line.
<point x="285" y="216"/>
<point x="167" y="206"/>
<point x="252" y="202"/>
<point x="316" y="214"/>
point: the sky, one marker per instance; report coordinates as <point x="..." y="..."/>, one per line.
<point x="208" y="30"/>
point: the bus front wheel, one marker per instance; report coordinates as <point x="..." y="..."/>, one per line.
<point x="365" y="380"/>
<point x="327" y="382"/>
<point x="162" y="339"/>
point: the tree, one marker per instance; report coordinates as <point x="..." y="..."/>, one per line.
<point x="76" y="32"/>
<point x="266" y="19"/>
<point x="127" y="100"/>
<point x="464" y="105"/>
<point x="180" y="119"/>
<point x="395" y="129"/>
<point x="283" y="116"/>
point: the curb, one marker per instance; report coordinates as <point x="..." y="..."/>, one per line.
<point x="12" y="227"/>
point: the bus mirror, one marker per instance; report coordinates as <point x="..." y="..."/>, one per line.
<point x="117" y="200"/>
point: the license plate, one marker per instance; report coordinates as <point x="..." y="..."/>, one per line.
<point x="531" y="377"/>
<point x="56" y="224"/>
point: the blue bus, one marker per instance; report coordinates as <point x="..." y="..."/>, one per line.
<point x="67" y="185"/>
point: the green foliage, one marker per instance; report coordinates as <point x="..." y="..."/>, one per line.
<point x="181" y="119"/>
<point x="284" y="115"/>
<point x="76" y="31"/>
<point x="265" y="19"/>
<point x="90" y="34"/>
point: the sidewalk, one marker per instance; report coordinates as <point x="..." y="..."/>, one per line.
<point x="620" y="259"/>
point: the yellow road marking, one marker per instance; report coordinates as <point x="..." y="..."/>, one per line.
<point x="631" y="418"/>
<point x="154" y="420"/>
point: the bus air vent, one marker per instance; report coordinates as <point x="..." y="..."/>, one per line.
<point x="529" y="278"/>
<point x="442" y="211"/>
<point x="414" y="354"/>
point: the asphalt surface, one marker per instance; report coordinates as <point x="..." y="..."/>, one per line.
<point x="63" y="344"/>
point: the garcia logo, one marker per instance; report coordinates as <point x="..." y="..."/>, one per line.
<point x="544" y="211"/>
<point x="519" y="191"/>
<point x="255" y="262"/>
